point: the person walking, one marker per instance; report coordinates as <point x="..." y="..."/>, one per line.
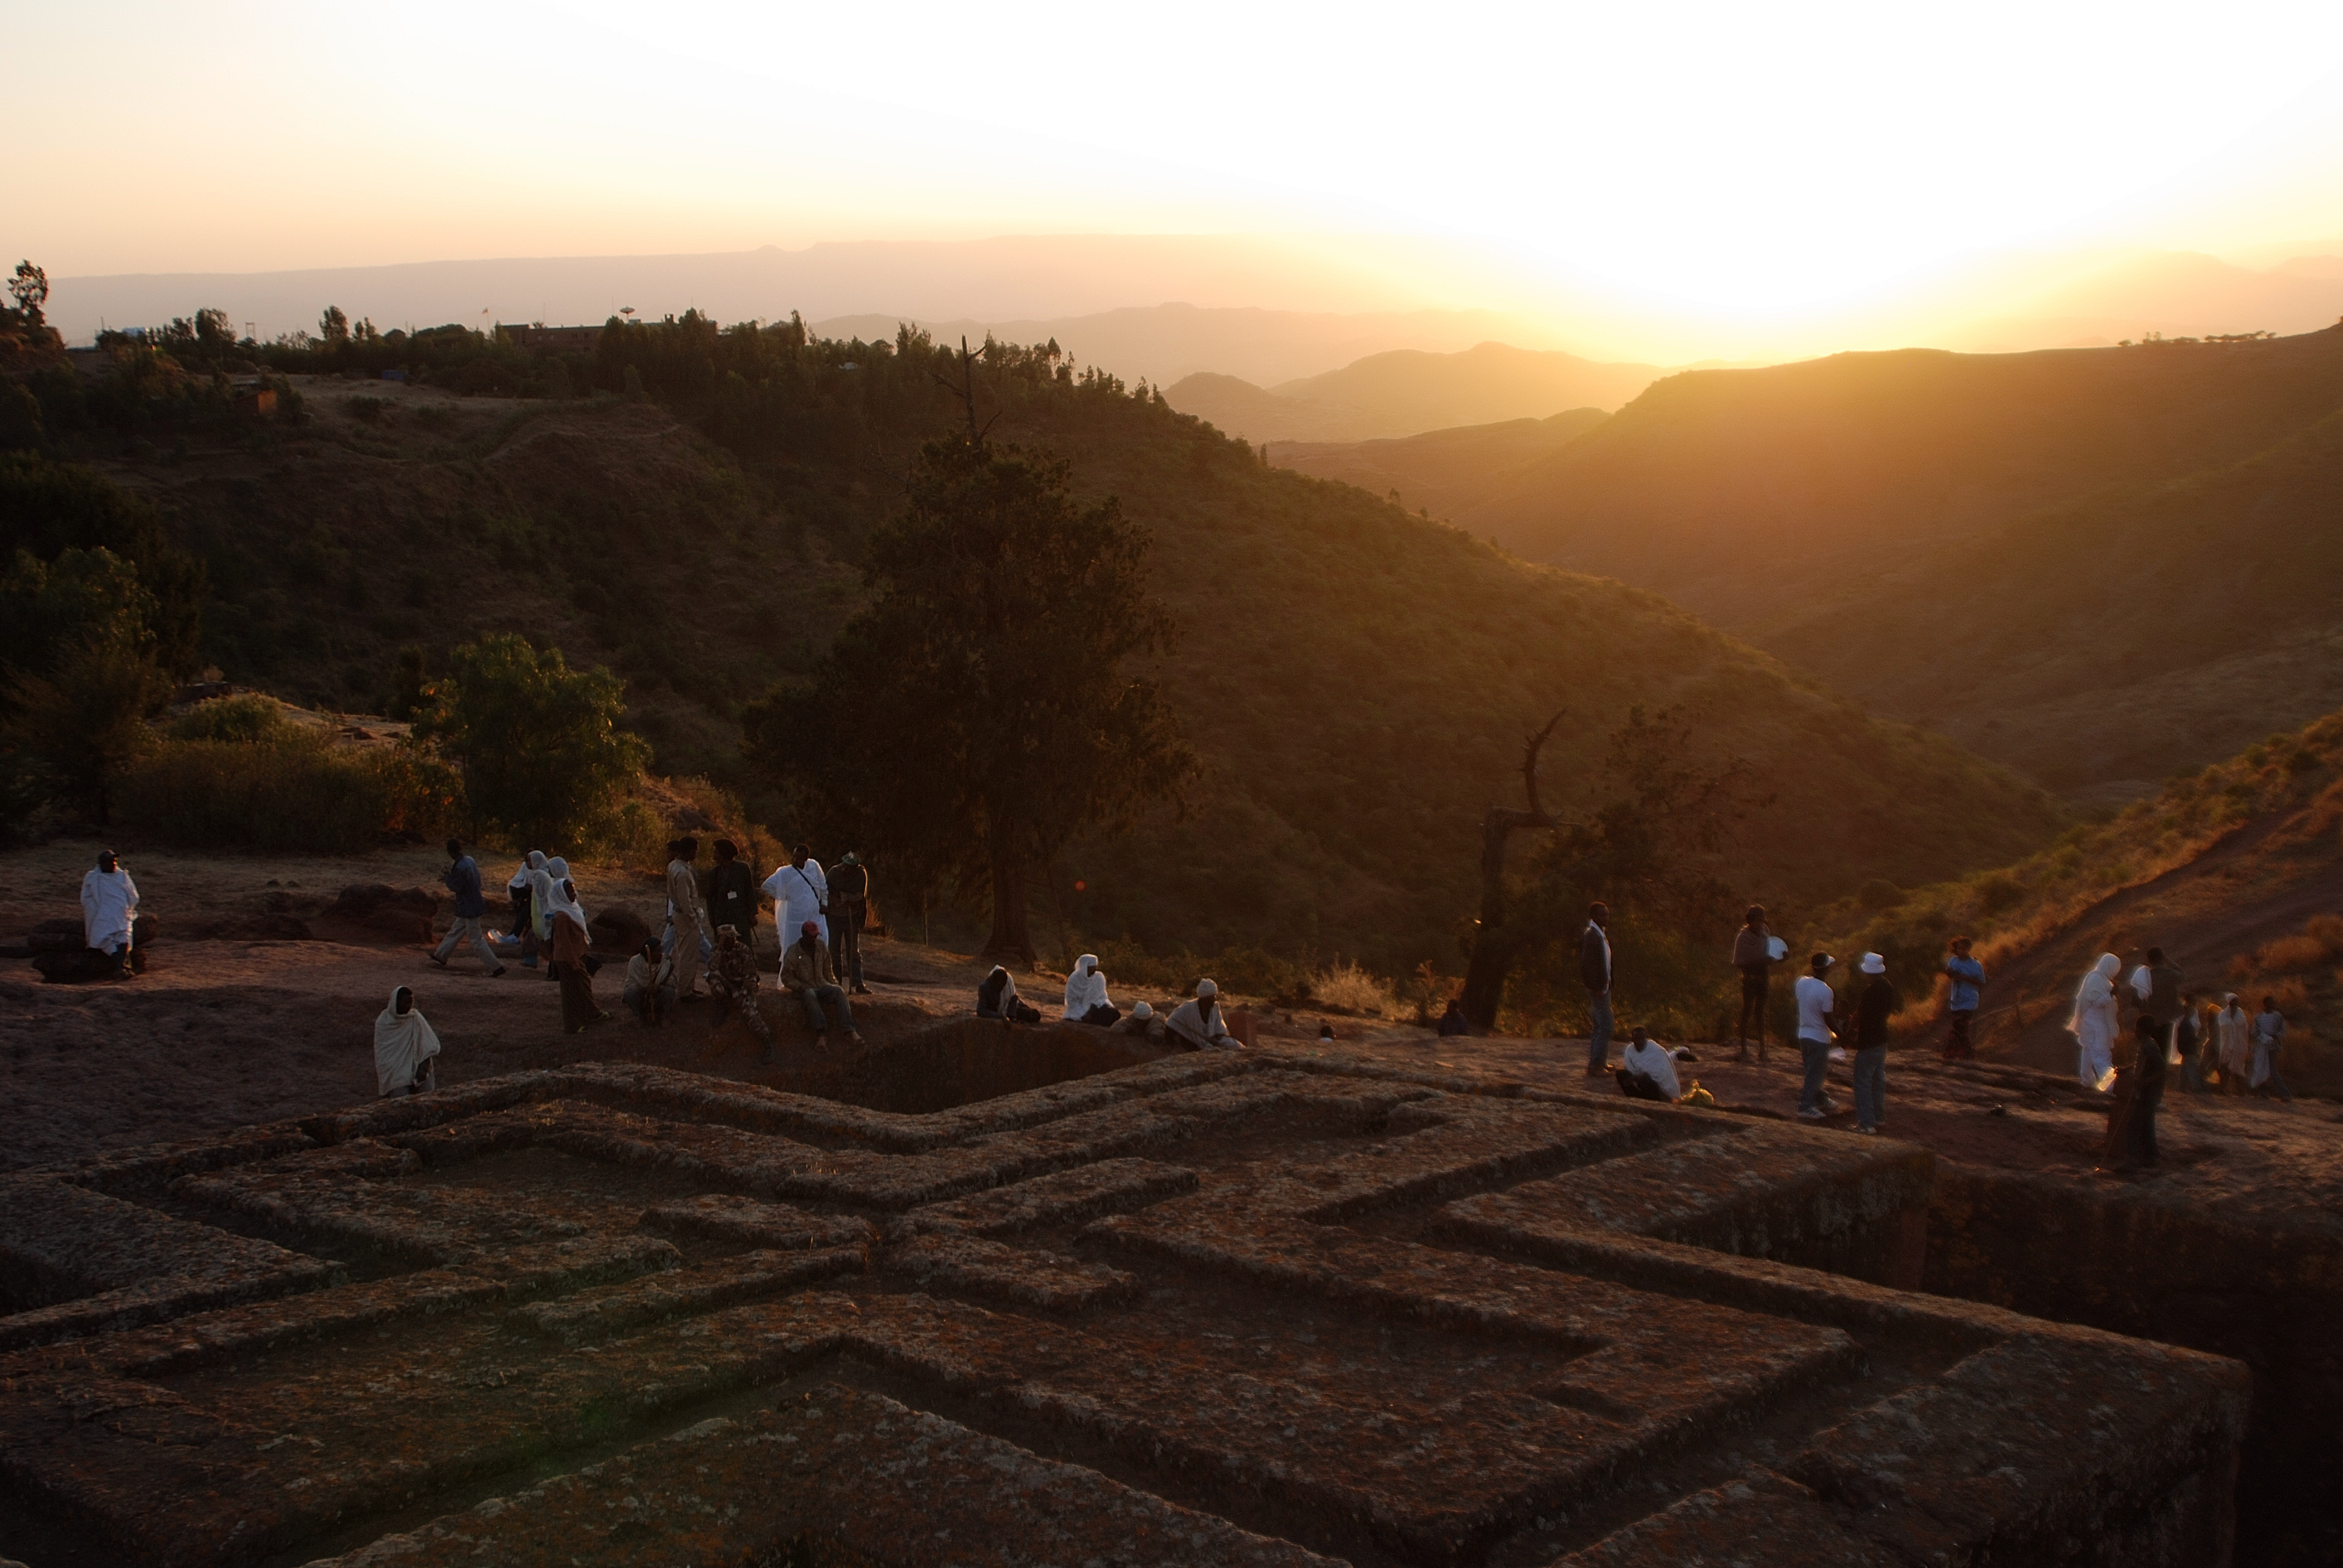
<point x="1756" y="950"/>
<point x="463" y="879"/>
<point x="405" y="1049"/>
<point x="2233" y="1039"/>
<point x="733" y="981"/>
<point x="806" y="972"/>
<point x="800" y="893"/>
<point x="2269" y="1037"/>
<point x="1817" y="1016"/>
<point x="850" y="905"/>
<point x="569" y="946"/>
<point x="1965" y="976"/>
<point x="1594" y="974"/>
<point x="1879" y="1002"/>
<point x="732" y="894"/>
<point x="2092" y="1024"/>
<point x="521" y="894"/>
<point x="109" y="913"/>
<point x="687" y="908"/>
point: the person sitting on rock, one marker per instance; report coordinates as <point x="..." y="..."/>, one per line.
<point x="406" y="1048"/>
<point x="1647" y="1070"/>
<point x="109" y="910"/>
<point x="1453" y="1023"/>
<point x="1086" y="998"/>
<point x="1142" y="1021"/>
<point x="733" y="981"/>
<point x="806" y="972"/>
<point x="650" y="991"/>
<point x="997" y="998"/>
<point x="1196" y="1023"/>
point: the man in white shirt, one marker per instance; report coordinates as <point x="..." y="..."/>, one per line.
<point x="1648" y="1070"/>
<point x="1816" y="1003"/>
<point x="800" y="893"/>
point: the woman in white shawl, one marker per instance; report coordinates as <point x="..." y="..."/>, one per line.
<point x="2233" y="1039"/>
<point x="1086" y="998"/>
<point x="2094" y="1024"/>
<point x="572" y="965"/>
<point x="404" y="1047"/>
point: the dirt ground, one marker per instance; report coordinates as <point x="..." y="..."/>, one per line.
<point x="222" y="1030"/>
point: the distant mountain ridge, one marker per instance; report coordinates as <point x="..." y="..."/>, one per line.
<point x="1440" y="471"/>
<point x="1408" y="392"/>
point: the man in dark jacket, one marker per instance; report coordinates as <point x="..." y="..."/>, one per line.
<point x="732" y="894"/>
<point x="850" y="902"/>
<point x="463" y="879"/>
<point x="1879" y="1002"/>
<point x="1594" y="974"/>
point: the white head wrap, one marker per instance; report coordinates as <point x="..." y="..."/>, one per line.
<point x="1085" y="988"/>
<point x="402" y="1041"/>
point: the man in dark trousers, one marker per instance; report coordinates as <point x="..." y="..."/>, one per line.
<point x="2139" y="1090"/>
<point x="1594" y="974"/>
<point x="463" y="879"/>
<point x="1878" y="1003"/>
<point x="850" y="901"/>
<point x="732" y="894"/>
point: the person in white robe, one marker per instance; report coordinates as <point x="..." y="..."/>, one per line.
<point x="405" y="1048"/>
<point x="2233" y="1038"/>
<point x="800" y="893"/>
<point x="109" y="908"/>
<point x="1647" y="1057"/>
<point x="2095" y="1022"/>
<point x="1086" y="998"/>
<point x="1197" y="1024"/>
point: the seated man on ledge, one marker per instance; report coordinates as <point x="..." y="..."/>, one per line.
<point x="1647" y="1070"/>
<point x="650" y="993"/>
<point x="732" y="980"/>
<point x="1196" y="1023"/>
<point x="805" y="970"/>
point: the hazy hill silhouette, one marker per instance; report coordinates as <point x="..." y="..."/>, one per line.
<point x="1406" y="392"/>
<point x="1357" y="679"/>
<point x="1743" y="493"/>
<point x="2116" y="640"/>
<point x="1443" y="471"/>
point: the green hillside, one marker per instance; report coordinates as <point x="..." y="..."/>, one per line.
<point x="1357" y="679"/>
<point x="2116" y="641"/>
<point x="1407" y="391"/>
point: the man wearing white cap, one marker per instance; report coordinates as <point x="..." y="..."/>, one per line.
<point x="1878" y="1003"/>
<point x="1197" y="1022"/>
<point x="1816" y="1002"/>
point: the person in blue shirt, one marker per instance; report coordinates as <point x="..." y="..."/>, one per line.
<point x="1967" y="975"/>
<point x="463" y="879"/>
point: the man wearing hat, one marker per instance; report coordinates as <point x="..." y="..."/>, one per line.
<point x="1816" y="1002"/>
<point x="850" y="901"/>
<point x="805" y="972"/>
<point x="1879" y="1002"/>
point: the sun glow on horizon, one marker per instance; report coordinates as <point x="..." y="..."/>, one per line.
<point x="1724" y="160"/>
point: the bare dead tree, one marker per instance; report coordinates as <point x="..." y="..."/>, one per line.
<point x="965" y="390"/>
<point x="1492" y="947"/>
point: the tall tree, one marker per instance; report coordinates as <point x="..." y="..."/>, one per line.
<point x="1493" y="941"/>
<point x="539" y="744"/>
<point x="977" y="713"/>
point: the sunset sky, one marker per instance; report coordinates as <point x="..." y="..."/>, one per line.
<point x="1718" y="159"/>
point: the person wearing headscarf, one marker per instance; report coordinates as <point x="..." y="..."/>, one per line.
<point x="543" y="887"/>
<point x="996" y="997"/>
<point x="109" y="910"/>
<point x="2233" y="1039"/>
<point x="570" y="952"/>
<point x="1086" y="998"/>
<point x="800" y="893"/>
<point x="687" y="911"/>
<point x="521" y="894"/>
<point x="1197" y="1023"/>
<point x="2094" y="1024"/>
<point x="733" y="980"/>
<point x="2269" y="1038"/>
<point x="405" y="1048"/>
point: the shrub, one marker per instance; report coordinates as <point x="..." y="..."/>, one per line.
<point x="245" y="718"/>
<point x="1345" y="985"/>
<point x="1879" y="894"/>
<point x="541" y="753"/>
<point x="297" y="793"/>
<point x="369" y="409"/>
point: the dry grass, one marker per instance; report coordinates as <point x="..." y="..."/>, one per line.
<point x="1345" y="985"/>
